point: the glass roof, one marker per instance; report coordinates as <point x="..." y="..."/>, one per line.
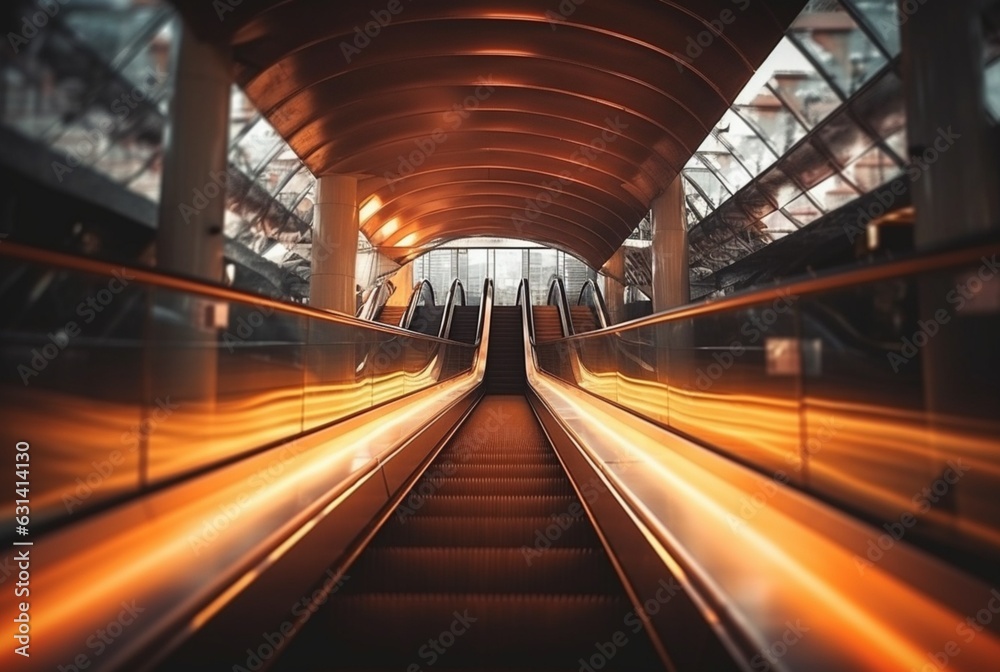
<point x="819" y="124"/>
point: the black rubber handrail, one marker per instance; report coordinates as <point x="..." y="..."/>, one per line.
<point x="179" y="283"/>
<point x="524" y="300"/>
<point x="557" y="297"/>
<point x="444" y="331"/>
<point x="599" y="306"/>
<point x="422" y="290"/>
<point x="832" y="281"/>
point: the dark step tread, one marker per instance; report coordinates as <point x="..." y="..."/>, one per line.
<point x="516" y="631"/>
<point x="500" y="506"/>
<point x="450" y="485"/>
<point x="468" y="531"/>
<point x="555" y="571"/>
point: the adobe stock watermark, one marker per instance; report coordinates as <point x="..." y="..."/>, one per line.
<point x="923" y="502"/>
<point x="365" y="34"/>
<point x="605" y="652"/>
<point x="887" y="195"/>
<point x="105" y="637"/>
<point x="224" y="515"/>
<point x="768" y="657"/>
<point x="59" y="340"/>
<point x="567" y="8"/>
<point x="755" y="328"/>
<point x="561" y="522"/>
<point x="967" y="630"/>
<point x="966" y="291"/>
<point x="698" y="44"/>
<point x="553" y="190"/>
<point x="436" y="647"/>
<point x="427" y="146"/>
<point x="224" y="7"/>
<point x="34" y="22"/>
<point x="905" y="10"/>
<point x="467" y="447"/>
<point x="216" y="186"/>
<point x="122" y="107"/>
<point x="104" y="468"/>
<point x="753" y="504"/>
<point x="302" y="610"/>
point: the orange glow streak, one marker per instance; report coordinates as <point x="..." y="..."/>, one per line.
<point x="389" y="228"/>
<point x="145" y="550"/>
<point x="881" y="622"/>
<point x="369" y="208"/>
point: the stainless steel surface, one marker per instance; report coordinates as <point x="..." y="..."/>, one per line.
<point x="781" y="576"/>
<point x="857" y="427"/>
<point x="102" y="397"/>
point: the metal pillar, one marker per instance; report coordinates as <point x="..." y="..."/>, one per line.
<point x="671" y="281"/>
<point x="183" y="353"/>
<point x="335" y="244"/>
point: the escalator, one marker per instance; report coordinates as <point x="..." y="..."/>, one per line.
<point x="427" y="320"/>
<point x="548" y="326"/>
<point x="488" y="563"/>
<point x="505" y="359"/>
<point x="391" y="315"/>
<point x="464" y="324"/>
<point x="584" y="319"/>
<point x="460" y="578"/>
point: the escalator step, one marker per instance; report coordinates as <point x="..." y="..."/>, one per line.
<point x="484" y="570"/>
<point x="496" y="506"/>
<point x="469" y="470"/>
<point x="535" y="532"/>
<point x="491" y="457"/>
<point x="449" y="485"/>
<point x="457" y="631"/>
<point x="489" y="563"/>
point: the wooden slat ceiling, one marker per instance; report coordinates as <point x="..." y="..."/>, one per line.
<point x="514" y="118"/>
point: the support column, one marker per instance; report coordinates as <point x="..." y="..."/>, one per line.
<point x="614" y="286"/>
<point x="183" y="351"/>
<point x="954" y="148"/>
<point x="671" y="278"/>
<point x="675" y="363"/>
<point x="335" y="244"/>
<point x="193" y="195"/>
<point x="950" y="138"/>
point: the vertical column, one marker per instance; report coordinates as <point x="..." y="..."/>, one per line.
<point x="953" y="151"/>
<point x="671" y="280"/>
<point x="335" y="244"/>
<point x="193" y="193"/>
<point x="950" y="139"/>
<point x="671" y="288"/>
<point x="614" y="286"/>
<point x="183" y="352"/>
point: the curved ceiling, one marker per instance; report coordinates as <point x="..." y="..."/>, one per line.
<point x="556" y="122"/>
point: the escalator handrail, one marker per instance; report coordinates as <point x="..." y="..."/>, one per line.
<point x="184" y="284"/>
<point x="422" y="290"/>
<point x="557" y="297"/>
<point x="601" y="308"/>
<point x="383" y="290"/>
<point x="449" y="307"/>
<point x="524" y="300"/>
<point x="487" y="296"/>
<point x="826" y="282"/>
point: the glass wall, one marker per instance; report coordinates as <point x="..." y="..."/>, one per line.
<point x="507" y="266"/>
<point x="862" y="394"/>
